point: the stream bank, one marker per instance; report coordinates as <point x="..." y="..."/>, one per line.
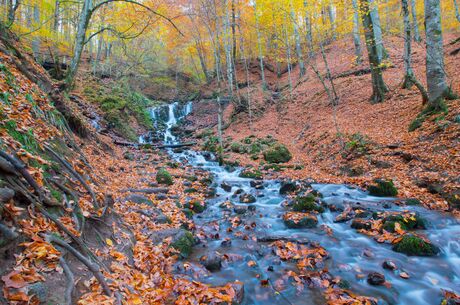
<point x="243" y="235"/>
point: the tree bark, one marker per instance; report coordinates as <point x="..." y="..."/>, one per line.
<point x="413" y="8"/>
<point x="308" y="30"/>
<point x="435" y="72"/>
<point x="259" y="44"/>
<point x="356" y="38"/>
<point x="457" y="10"/>
<point x="377" y="29"/>
<point x="379" y="88"/>
<point x="298" y="47"/>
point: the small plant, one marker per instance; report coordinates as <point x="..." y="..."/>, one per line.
<point x="357" y="143"/>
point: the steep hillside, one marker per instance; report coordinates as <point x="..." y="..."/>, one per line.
<point x="354" y="142"/>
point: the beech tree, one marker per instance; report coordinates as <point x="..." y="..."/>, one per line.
<point x="435" y="71"/>
<point x="379" y="88"/>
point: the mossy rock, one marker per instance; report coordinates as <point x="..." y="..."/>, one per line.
<point x="252" y="174"/>
<point x="196" y="206"/>
<point x="406" y="223"/>
<point x="415" y="246"/>
<point x="278" y="153"/>
<point x="306" y="204"/>
<point x="164" y="177"/>
<point x="383" y="188"/>
<point x="188" y="213"/>
<point x="412" y="201"/>
<point x="306" y="222"/>
<point x="183" y="242"/>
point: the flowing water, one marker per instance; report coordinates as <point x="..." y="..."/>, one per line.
<point x="351" y="254"/>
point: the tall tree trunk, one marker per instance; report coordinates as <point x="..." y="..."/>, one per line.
<point x="56" y="16"/>
<point x="356" y="38"/>
<point x="228" y="49"/>
<point x="36" y="40"/>
<point x="413" y="8"/>
<point x="409" y="77"/>
<point x="435" y="72"/>
<point x="457" y="10"/>
<point x="233" y="32"/>
<point x="12" y="7"/>
<point x="308" y="30"/>
<point x="83" y="22"/>
<point x="377" y="28"/>
<point x="298" y="47"/>
<point x="379" y="88"/>
<point x="331" y="12"/>
<point x="259" y="44"/>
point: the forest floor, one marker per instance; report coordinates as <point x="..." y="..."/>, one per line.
<point x="354" y="142"/>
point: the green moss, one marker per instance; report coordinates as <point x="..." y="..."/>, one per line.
<point x="27" y="139"/>
<point x="357" y="143"/>
<point x="306" y="204"/>
<point x="252" y="174"/>
<point x="183" y="243"/>
<point x="415" y="246"/>
<point x="278" y="153"/>
<point x="416" y="123"/>
<point x="188" y="213"/>
<point x="308" y="221"/>
<point x="238" y="148"/>
<point x="164" y="177"/>
<point x="211" y="144"/>
<point x="413" y="201"/>
<point x="196" y="206"/>
<point x="383" y="188"/>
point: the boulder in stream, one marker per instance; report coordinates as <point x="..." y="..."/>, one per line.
<point x="183" y="242"/>
<point x="212" y="261"/>
<point x="288" y="187"/>
<point x="413" y="245"/>
<point x="295" y="220"/>
<point x="375" y="279"/>
<point x="226" y="187"/>
<point x="247" y="198"/>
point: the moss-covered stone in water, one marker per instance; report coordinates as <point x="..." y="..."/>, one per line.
<point x="198" y="207"/>
<point x="188" y="213"/>
<point x="252" y="174"/>
<point x="407" y="223"/>
<point x="183" y="242"/>
<point x="306" y="222"/>
<point x="277" y="154"/>
<point x="164" y="177"/>
<point x="412" y="201"/>
<point x="383" y="188"/>
<point x="415" y="246"/>
<point x="306" y="204"/>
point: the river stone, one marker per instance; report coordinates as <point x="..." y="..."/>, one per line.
<point x="288" y="187"/>
<point x="306" y="222"/>
<point x="240" y="209"/>
<point x="212" y="262"/>
<point x="375" y="279"/>
<point x="389" y="265"/>
<point x="139" y="199"/>
<point x="239" y="292"/>
<point x="361" y="224"/>
<point x="183" y="242"/>
<point x="247" y="198"/>
<point x="415" y="246"/>
<point x="226" y="187"/>
<point x="257" y="184"/>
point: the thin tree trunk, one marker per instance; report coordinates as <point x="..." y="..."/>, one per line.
<point x="331" y="12"/>
<point x="356" y="38"/>
<point x="233" y="31"/>
<point x="308" y="30"/>
<point x="85" y="17"/>
<point x="298" y="47"/>
<point x="36" y="40"/>
<point x="259" y="44"/>
<point x="56" y="16"/>
<point x="288" y="54"/>
<point x="13" y="6"/>
<point x="379" y="88"/>
<point x="435" y="72"/>
<point x="377" y="29"/>
<point x="457" y="10"/>
<point x="413" y="9"/>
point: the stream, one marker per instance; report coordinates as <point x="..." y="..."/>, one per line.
<point x="352" y="255"/>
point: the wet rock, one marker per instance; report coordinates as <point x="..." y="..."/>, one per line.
<point x="226" y="187"/>
<point x="183" y="242"/>
<point x="368" y="253"/>
<point x="361" y="224"/>
<point x="389" y="265"/>
<point x="212" y="262"/>
<point x="453" y="198"/>
<point x="415" y="246"/>
<point x="375" y="279"/>
<point x="226" y="243"/>
<point x="270" y="268"/>
<point x="288" y="187"/>
<point x="300" y="221"/>
<point x="38" y="290"/>
<point x="238" y="192"/>
<point x="257" y="184"/>
<point x="139" y="199"/>
<point x="239" y="292"/>
<point x="6" y="194"/>
<point x="240" y="209"/>
<point x="196" y="206"/>
<point x="247" y="198"/>
<point x="306" y="204"/>
<point x="161" y="196"/>
<point x="211" y="192"/>
<point x="252" y="208"/>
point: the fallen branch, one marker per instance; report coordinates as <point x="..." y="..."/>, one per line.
<point x="94" y="268"/>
